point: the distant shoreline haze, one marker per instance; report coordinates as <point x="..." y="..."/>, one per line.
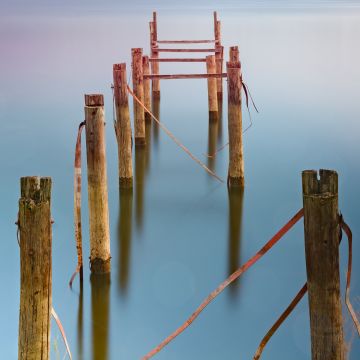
<point x="67" y="7"/>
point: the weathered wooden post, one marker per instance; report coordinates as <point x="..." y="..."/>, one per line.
<point x="123" y="126"/>
<point x="236" y="158"/>
<point x="35" y="268"/>
<point x="138" y="86"/>
<point x="97" y="184"/>
<point x="219" y="54"/>
<point x="212" y="93"/>
<point x="234" y="54"/>
<point x="154" y="54"/>
<point x="147" y="95"/>
<point x="321" y="225"/>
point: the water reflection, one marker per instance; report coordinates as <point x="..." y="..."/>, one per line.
<point x="124" y="236"/>
<point x="212" y="143"/>
<point x="220" y="123"/>
<point x="140" y="167"/>
<point x="80" y="324"/>
<point x="236" y="198"/>
<point x="100" y="308"/>
<point x="148" y="125"/>
<point x="156" y="111"/>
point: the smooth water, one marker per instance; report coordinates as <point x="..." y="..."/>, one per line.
<point x="181" y="233"/>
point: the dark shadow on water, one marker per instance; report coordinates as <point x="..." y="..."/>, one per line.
<point x="220" y="124"/>
<point x="236" y="199"/>
<point x="140" y="170"/>
<point x="148" y="125"/>
<point x="156" y="128"/>
<point x="212" y="143"/>
<point x="124" y="237"/>
<point x="100" y="309"/>
<point x="80" y="325"/>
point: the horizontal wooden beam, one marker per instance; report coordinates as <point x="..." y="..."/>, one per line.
<point x="185" y="76"/>
<point x="184" y="50"/>
<point x="185" y="41"/>
<point x="180" y="59"/>
<point x="177" y="59"/>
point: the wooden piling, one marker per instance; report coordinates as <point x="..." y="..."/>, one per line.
<point x="35" y="268"/>
<point x="147" y="95"/>
<point x="321" y="224"/>
<point x="212" y="88"/>
<point x="97" y="184"/>
<point x="236" y="159"/>
<point x="215" y="24"/>
<point x="234" y="54"/>
<point x="219" y="55"/>
<point x="123" y="126"/>
<point x="138" y="86"/>
<point x="154" y="54"/>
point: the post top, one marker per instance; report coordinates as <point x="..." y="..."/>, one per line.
<point x="210" y="58"/>
<point x="94" y="100"/>
<point x="121" y="66"/>
<point x="136" y="51"/>
<point x="145" y="58"/>
<point x="35" y="188"/>
<point x="327" y="182"/>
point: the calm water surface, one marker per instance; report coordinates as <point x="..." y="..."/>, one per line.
<point x="180" y="232"/>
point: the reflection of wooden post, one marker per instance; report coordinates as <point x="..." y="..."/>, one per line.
<point x="35" y="268"/>
<point x="212" y="94"/>
<point x="234" y="54"/>
<point x="138" y="85"/>
<point x="321" y="224"/>
<point x="212" y="143"/>
<point x="123" y="126"/>
<point x="154" y="54"/>
<point x="147" y="96"/>
<point x="97" y="184"/>
<point x="155" y="106"/>
<point x="100" y="309"/>
<point x="236" y="159"/>
<point x="124" y="236"/>
<point x="236" y="199"/>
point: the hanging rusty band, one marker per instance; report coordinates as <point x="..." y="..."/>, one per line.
<point x="227" y="282"/>
<point x="77" y="206"/>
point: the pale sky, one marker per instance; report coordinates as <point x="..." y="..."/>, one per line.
<point x="79" y="6"/>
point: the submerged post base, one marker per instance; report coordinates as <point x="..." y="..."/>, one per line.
<point x="140" y="141"/>
<point x="236" y="181"/>
<point x="100" y="266"/>
<point x="126" y="182"/>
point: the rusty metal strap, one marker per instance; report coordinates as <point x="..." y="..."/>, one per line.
<point x="227" y="282"/>
<point x="77" y="205"/>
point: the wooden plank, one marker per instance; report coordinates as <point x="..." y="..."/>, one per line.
<point x="185" y="41"/>
<point x="179" y="59"/>
<point x="186" y="50"/>
<point x="185" y="76"/>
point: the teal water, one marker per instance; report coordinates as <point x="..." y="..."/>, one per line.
<point x="181" y="233"/>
